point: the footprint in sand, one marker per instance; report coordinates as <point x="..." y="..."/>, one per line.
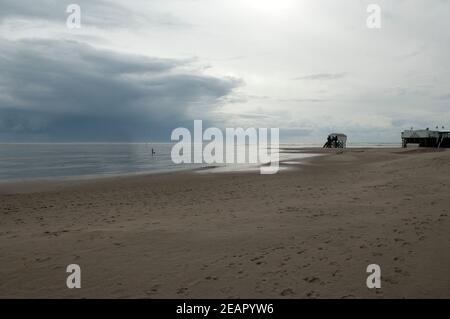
<point x="181" y="290"/>
<point x="311" y="279"/>
<point x="390" y="280"/>
<point x="152" y="290"/>
<point x="287" y="292"/>
<point x="312" y="294"/>
<point x="402" y="272"/>
<point x="211" y="278"/>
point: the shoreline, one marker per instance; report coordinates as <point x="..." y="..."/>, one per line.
<point x="80" y="178"/>
<point x="315" y="151"/>
<point x="309" y="232"/>
<point x="33" y="183"/>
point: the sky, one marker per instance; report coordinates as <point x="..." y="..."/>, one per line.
<point x="138" y="69"/>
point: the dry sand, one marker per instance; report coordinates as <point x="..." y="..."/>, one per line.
<point x="306" y="232"/>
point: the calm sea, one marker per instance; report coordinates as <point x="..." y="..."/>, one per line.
<point x="36" y="161"/>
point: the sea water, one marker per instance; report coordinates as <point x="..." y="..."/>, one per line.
<point x="83" y="160"/>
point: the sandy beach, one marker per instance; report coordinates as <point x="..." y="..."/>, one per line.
<point x="307" y="232"/>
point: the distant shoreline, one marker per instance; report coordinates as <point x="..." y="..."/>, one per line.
<point x="10" y="164"/>
<point x="13" y="182"/>
<point x="23" y="185"/>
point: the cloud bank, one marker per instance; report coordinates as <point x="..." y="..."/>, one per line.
<point x="72" y="91"/>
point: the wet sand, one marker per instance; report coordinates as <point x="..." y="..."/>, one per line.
<point x="306" y="232"/>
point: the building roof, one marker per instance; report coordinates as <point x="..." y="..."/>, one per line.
<point x="338" y="134"/>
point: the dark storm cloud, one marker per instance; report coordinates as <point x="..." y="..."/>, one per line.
<point x="100" y="13"/>
<point x="321" y="76"/>
<point x="68" y="90"/>
<point x="97" y="12"/>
